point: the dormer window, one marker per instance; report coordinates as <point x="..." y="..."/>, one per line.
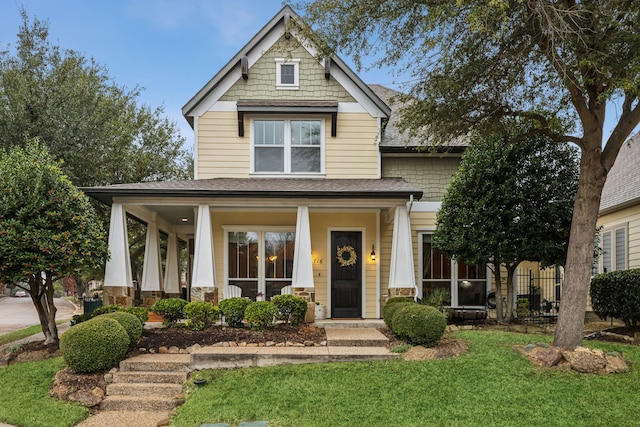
<point x="287" y="74"/>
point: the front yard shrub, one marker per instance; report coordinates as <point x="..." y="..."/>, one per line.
<point x="419" y="324"/>
<point x="200" y="315"/>
<point x="617" y="294"/>
<point x="140" y="312"/>
<point x="96" y="345"/>
<point x="79" y="318"/>
<point x="390" y="309"/>
<point x="106" y="309"/>
<point x="261" y="314"/>
<point x="170" y="309"/>
<point x="394" y="300"/>
<point x="292" y="308"/>
<point x="130" y="323"/>
<point x="233" y="310"/>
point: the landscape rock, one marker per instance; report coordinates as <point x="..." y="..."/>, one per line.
<point x="193" y="348"/>
<point x="544" y="356"/>
<point x="585" y="360"/>
<point x="174" y="350"/>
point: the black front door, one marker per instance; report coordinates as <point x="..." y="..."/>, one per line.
<point x="346" y="274"/>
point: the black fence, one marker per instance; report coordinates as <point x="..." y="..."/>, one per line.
<point x="542" y="289"/>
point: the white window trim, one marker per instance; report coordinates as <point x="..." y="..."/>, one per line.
<point x="287" y="147"/>
<point x="261" y="230"/>
<point x="296" y="74"/>
<point x="454" y="274"/>
<point x="613" y="230"/>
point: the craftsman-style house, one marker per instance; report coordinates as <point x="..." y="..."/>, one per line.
<point x="303" y="185"/>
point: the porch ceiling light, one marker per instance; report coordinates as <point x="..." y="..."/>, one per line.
<point x="184" y="219"/>
<point x="373" y="253"/>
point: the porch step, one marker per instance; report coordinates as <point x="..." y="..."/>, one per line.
<point x="144" y="389"/>
<point x="150" y="377"/>
<point x="349" y="323"/>
<point x="156" y="363"/>
<point x="138" y="403"/>
<point x="355" y="337"/>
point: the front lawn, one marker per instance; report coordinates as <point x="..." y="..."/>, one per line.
<point x="24" y="396"/>
<point x="492" y="385"/>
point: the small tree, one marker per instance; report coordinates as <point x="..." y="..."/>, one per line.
<point x="48" y="228"/>
<point x="510" y="201"/>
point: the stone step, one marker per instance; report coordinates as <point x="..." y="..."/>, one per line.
<point x="150" y="377"/>
<point x="355" y="337"/>
<point x="144" y="389"/>
<point x="350" y="323"/>
<point x="156" y="362"/>
<point x="138" y="403"/>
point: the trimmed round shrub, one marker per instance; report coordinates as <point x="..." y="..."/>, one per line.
<point x="260" y="315"/>
<point x="106" y="309"/>
<point x="292" y="308"/>
<point x="233" y="310"/>
<point x="140" y="312"/>
<point x="130" y="323"/>
<point x="390" y="309"/>
<point x="419" y="324"/>
<point x="96" y="345"/>
<point x="200" y="315"/>
<point x="170" y="309"/>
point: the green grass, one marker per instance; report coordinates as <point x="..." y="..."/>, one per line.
<point x="24" y="398"/>
<point x="491" y="385"/>
<point x="25" y="332"/>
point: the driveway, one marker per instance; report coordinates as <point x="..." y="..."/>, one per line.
<point x="18" y="313"/>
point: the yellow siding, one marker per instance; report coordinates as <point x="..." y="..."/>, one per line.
<point x="353" y="153"/>
<point x="631" y="217"/>
<point x="221" y="152"/>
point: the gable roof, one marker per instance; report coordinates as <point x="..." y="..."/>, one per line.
<point x="266" y="35"/>
<point x="394" y="141"/>
<point x="622" y="188"/>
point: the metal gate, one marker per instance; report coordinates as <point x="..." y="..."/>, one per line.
<point x="542" y="289"/>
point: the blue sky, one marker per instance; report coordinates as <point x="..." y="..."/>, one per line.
<point x="170" y="48"/>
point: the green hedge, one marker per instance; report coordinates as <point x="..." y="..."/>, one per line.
<point x="390" y="309"/>
<point x="260" y="315"/>
<point x="419" y="324"/>
<point x="130" y="323"/>
<point x="96" y="345"/>
<point x="292" y="308"/>
<point x="170" y="309"/>
<point x="200" y="315"/>
<point x="233" y="310"/>
<point x="617" y="294"/>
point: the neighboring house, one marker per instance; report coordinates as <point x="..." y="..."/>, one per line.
<point x="619" y="214"/>
<point x="302" y="184"/>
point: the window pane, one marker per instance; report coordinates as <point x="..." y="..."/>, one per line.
<point x="274" y="287"/>
<point x="606" y="251"/>
<point x="472" y="292"/>
<point x="620" y="249"/>
<point x="306" y="132"/>
<point x="249" y="287"/>
<point x="305" y="159"/>
<point x="429" y="286"/>
<point x="268" y="132"/>
<point x="278" y="261"/>
<point x="269" y="159"/>
<point x="287" y="74"/>
<point x="243" y="255"/>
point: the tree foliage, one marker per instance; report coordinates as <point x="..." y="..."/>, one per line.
<point x="553" y="63"/>
<point x="48" y="228"/>
<point x="510" y="201"/>
<point x="75" y="108"/>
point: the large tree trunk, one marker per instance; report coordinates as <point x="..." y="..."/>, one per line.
<point x="569" y="329"/>
<point x="42" y="297"/>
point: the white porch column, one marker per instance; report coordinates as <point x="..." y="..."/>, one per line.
<point x="402" y="273"/>
<point x="204" y="272"/>
<point x="152" y="267"/>
<point x="172" y="270"/>
<point x="302" y="276"/>
<point x="117" y="271"/>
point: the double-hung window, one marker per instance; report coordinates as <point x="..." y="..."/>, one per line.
<point x="466" y="284"/>
<point x="260" y="261"/>
<point x="287" y="74"/>
<point x="614" y="249"/>
<point x="287" y="146"/>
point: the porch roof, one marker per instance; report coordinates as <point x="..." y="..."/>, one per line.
<point x="386" y="188"/>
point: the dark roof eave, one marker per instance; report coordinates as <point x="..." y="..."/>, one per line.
<point x="455" y="149"/>
<point x="106" y="196"/>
